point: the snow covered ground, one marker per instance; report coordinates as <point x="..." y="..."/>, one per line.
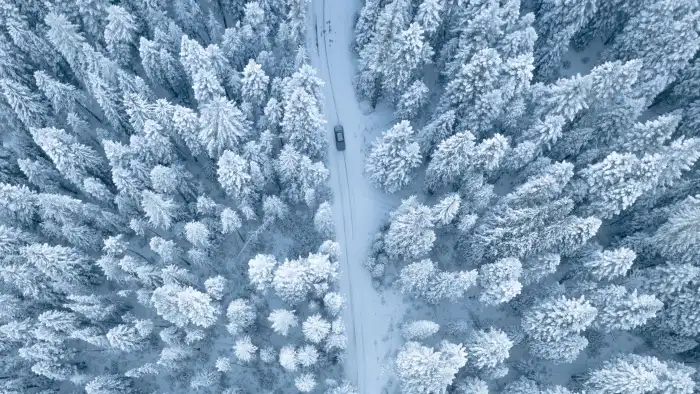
<point x="358" y="207"/>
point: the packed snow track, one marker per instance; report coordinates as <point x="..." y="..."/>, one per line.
<point x="358" y="208"/>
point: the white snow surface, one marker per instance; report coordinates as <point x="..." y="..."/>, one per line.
<point x="371" y="317"/>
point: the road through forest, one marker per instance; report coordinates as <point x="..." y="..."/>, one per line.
<point x="358" y="208"/>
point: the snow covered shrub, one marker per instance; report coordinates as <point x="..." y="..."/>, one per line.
<point x="215" y="287"/>
<point x="260" y="271"/>
<point x="424" y="370"/>
<point x="423" y="280"/>
<point x="323" y="220"/>
<point x="315" y="328"/>
<point x="419" y="329"/>
<point x="268" y="354"/>
<point x="109" y="383"/>
<point x="288" y="358"/>
<point x="472" y="385"/>
<point x="345" y="388"/>
<point x="127" y="338"/>
<point x="393" y="160"/>
<point x="410" y="234"/>
<point x="330" y="248"/>
<point x="619" y="309"/>
<point x="499" y="281"/>
<point x="305" y="383"/>
<point x="557" y="318"/>
<point x="180" y="306"/>
<point x="294" y="279"/>
<point x="307" y="355"/>
<point x="538" y="268"/>
<point x="487" y="349"/>
<point x="412" y="100"/>
<point x="241" y="315"/>
<point x="244" y="350"/>
<point x="610" y="264"/>
<point x="333" y="302"/>
<point x="522" y="385"/>
<point x="563" y="350"/>
<point x="223" y="364"/>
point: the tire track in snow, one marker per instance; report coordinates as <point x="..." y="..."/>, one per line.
<point x="347" y="183"/>
<point x="357" y="320"/>
<point x="325" y="56"/>
<point x="347" y="273"/>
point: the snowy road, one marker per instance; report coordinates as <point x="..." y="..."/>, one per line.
<point x="358" y="208"/>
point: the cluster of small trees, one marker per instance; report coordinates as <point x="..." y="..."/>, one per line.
<point x="153" y="153"/>
<point x="565" y="203"/>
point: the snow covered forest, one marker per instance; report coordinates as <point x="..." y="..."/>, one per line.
<point x="167" y="211"/>
<point x="166" y="223"/>
<point x="546" y="154"/>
